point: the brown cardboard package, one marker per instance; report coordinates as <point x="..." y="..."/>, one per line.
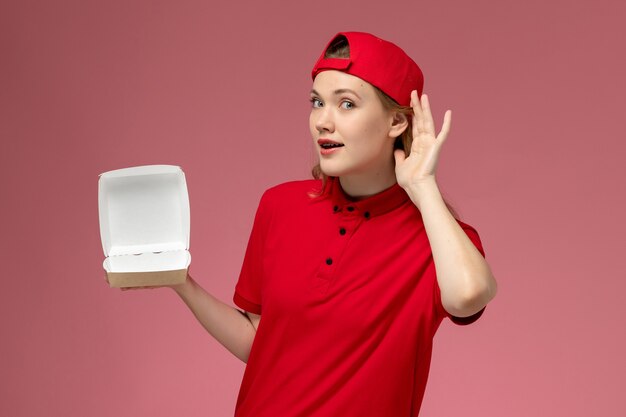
<point x="144" y="225"/>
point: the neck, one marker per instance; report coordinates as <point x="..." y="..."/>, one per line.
<point x="360" y="186"/>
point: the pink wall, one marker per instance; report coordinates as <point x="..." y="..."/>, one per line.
<point x="535" y="163"/>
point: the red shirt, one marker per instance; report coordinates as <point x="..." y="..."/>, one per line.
<point x="349" y="303"/>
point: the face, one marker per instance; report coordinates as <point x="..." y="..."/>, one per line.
<point x="352" y="131"/>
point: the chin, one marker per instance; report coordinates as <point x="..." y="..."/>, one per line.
<point x="331" y="171"/>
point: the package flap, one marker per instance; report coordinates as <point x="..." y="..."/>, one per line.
<point x="143" y="210"/>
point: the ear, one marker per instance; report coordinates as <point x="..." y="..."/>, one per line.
<point x="399" y="123"/>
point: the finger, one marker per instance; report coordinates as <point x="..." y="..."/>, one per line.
<point x="417" y="113"/>
<point x="445" y="129"/>
<point x="428" y="122"/>
<point x="399" y="156"/>
<point x="144" y="287"/>
<point x="414" y="98"/>
<point x="132" y="288"/>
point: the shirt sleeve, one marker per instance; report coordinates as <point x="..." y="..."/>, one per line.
<point x="249" y="287"/>
<point x="475" y="238"/>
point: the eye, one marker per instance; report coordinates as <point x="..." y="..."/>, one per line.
<point x="347" y="105"/>
<point x="315" y="102"/>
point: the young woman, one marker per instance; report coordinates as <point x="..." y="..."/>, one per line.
<point x="347" y="277"/>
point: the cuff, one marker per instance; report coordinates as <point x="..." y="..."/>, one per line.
<point x="246" y="304"/>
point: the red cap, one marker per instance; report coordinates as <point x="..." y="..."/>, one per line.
<point x="379" y="62"/>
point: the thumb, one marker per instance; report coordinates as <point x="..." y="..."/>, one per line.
<point x="398" y="154"/>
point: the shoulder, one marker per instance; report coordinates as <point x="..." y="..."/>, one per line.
<point x="280" y="200"/>
<point x="292" y="191"/>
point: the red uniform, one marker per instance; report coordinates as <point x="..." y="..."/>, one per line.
<point x="349" y="302"/>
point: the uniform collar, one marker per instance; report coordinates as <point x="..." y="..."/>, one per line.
<point x="368" y="207"/>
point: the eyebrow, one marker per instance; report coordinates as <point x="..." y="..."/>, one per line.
<point x="339" y="91"/>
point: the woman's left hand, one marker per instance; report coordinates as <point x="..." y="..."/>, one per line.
<point x="419" y="167"/>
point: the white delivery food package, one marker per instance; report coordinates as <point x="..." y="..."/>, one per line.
<point x="144" y="225"/>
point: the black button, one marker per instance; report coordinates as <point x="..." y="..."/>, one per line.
<point x="336" y="208"/>
<point x="350" y="208"/>
<point x="367" y="214"/>
<point x="329" y="261"/>
<point x="342" y="231"/>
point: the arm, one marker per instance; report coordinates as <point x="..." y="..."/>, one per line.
<point x="463" y="275"/>
<point x="228" y="325"/>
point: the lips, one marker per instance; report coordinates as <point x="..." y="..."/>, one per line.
<point x="329" y="144"/>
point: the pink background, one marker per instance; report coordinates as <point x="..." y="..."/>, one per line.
<point x="534" y="162"/>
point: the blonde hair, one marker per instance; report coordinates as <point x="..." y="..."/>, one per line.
<point x="340" y="48"/>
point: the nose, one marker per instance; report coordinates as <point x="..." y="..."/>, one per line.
<point x="323" y="120"/>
